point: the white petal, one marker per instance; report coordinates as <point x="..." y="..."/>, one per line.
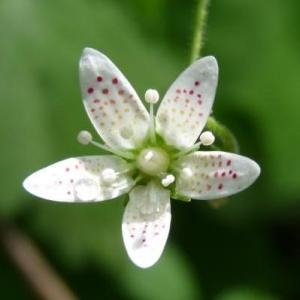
<point x="146" y="223"/>
<point x="80" y="180"/>
<point x="187" y="104"/>
<point x="112" y="104"/>
<point x="214" y="174"/>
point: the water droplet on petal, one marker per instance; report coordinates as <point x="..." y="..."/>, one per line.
<point x="126" y="132"/>
<point x="86" y="189"/>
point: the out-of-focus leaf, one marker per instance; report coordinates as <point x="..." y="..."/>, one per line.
<point x="245" y="293"/>
<point x="259" y="70"/>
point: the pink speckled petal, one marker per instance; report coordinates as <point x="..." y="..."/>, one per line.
<point x="79" y="180"/>
<point x="187" y="104"/>
<point x="146" y="223"/>
<point x="214" y="174"/>
<point x="112" y="104"/>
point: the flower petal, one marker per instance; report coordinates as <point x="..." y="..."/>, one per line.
<point x="112" y="104"/>
<point x="146" y="223"/>
<point x="81" y="179"/>
<point x="187" y="104"/>
<point x="214" y="174"/>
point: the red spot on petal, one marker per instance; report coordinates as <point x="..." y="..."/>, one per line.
<point x="72" y="180"/>
<point x="199" y="102"/>
<point x="199" y="95"/>
<point x="67" y="170"/>
<point x="132" y="236"/>
<point x="223" y="174"/>
<point x="191" y="92"/>
<point x="178" y="91"/>
<point x="105" y="91"/>
<point x="230" y="172"/>
<point x="228" y="162"/>
<point x="121" y="92"/>
<point x="197" y="83"/>
<point x="96" y="101"/>
<point x="69" y="193"/>
<point x="184" y="91"/>
<point x="99" y="78"/>
<point x="93" y="110"/>
<point x="90" y="90"/>
<point x="220" y="164"/>
<point x="220" y="186"/>
<point x="216" y="174"/>
<point x="234" y="176"/>
<point x="115" y="81"/>
<point x="208" y="187"/>
<point x="112" y="101"/>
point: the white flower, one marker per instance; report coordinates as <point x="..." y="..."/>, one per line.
<point x="153" y="158"/>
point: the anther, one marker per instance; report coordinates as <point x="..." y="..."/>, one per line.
<point x="151" y="96"/>
<point x="207" y="138"/>
<point x="169" y="179"/>
<point x="84" y="137"/>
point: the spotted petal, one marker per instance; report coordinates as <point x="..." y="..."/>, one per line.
<point x="211" y="175"/>
<point x="81" y="179"/>
<point x="187" y="104"/>
<point x="112" y="104"/>
<point x="146" y="223"/>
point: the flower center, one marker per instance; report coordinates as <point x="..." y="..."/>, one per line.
<point x="153" y="161"/>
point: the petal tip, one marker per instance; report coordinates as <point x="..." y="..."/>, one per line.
<point x="88" y="51"/>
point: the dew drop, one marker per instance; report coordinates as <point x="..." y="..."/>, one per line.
<point x="86" y="189"/>
<point x="126" y="132"/>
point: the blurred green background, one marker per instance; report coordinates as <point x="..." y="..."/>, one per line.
<point x="248" y="249"/>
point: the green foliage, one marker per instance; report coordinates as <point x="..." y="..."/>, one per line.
<point x="210" y="252"/>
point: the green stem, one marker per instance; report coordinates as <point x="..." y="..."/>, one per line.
<point x="200" y="22"/>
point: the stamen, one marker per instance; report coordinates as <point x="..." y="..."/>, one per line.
<point x="169" y="179"/>
<point x="206" y="139"/>
<point x="84" y="137"/>
<point x="152" y="97"/>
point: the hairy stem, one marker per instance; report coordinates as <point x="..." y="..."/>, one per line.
<point x="31" y="263"/>
<point x="200" y="21"/>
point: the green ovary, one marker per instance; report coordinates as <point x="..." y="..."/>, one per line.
<point x="153" y="161"/>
